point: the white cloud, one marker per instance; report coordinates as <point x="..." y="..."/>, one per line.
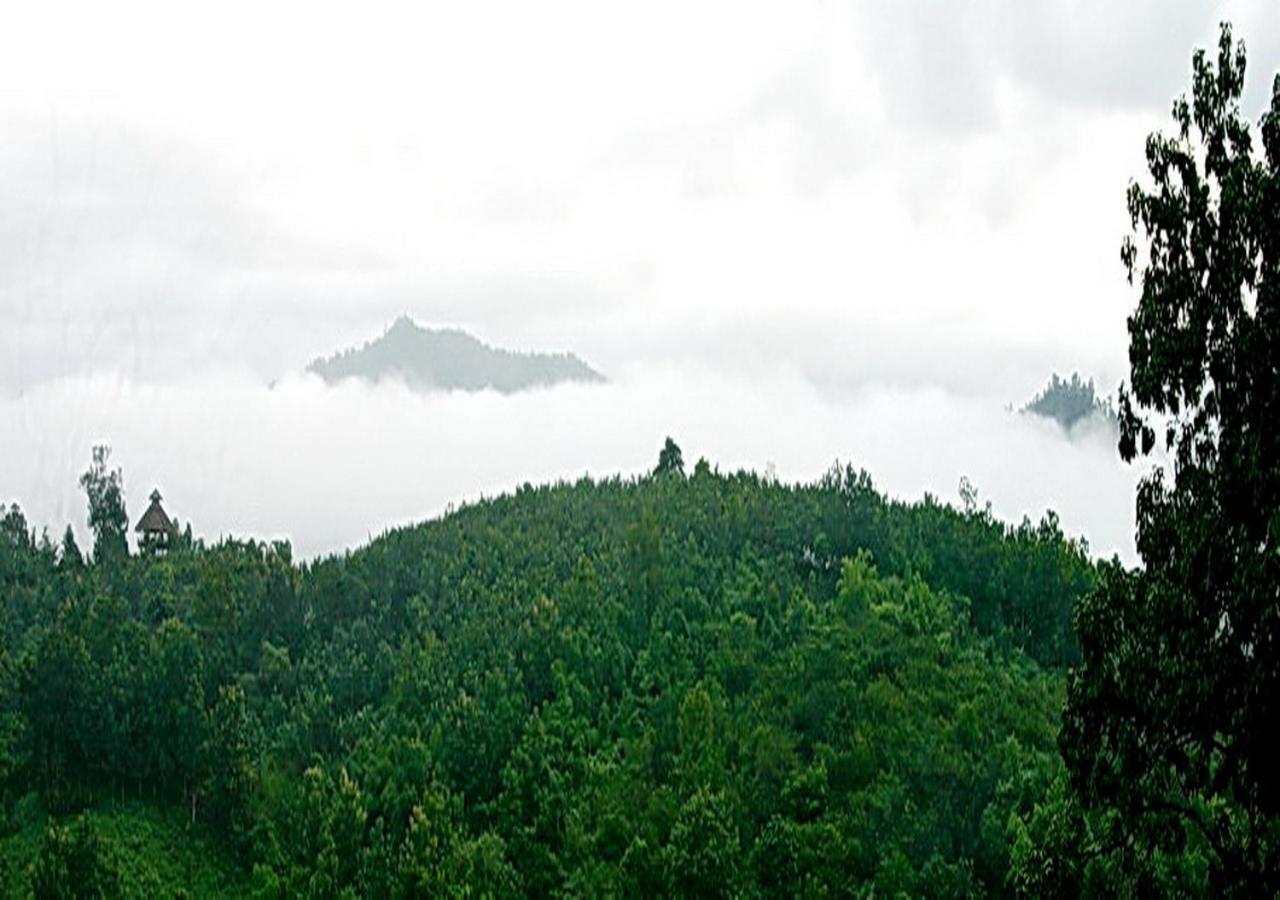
<point x="329" y="466"/>
<point x="926" y="197"/>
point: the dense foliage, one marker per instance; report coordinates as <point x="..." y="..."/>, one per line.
<point x="699" y="684"/>
<point x="1170" y="731"/>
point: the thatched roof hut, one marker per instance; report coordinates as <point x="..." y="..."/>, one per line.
<point x="155" y="522"/>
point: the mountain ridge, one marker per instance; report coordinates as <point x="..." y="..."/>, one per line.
<point x="449" y="358"/>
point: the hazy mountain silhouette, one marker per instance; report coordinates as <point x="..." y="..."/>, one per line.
<point x="1071" y="402"/>
<point x="449" y="359"/>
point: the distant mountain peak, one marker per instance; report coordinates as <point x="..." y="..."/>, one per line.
<point x="404" y="324"/>
<point x="1070" y="402"/>
<point x="449" y="359"/>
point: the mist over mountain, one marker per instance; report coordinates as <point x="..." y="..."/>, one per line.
<point x="449" y="359"/>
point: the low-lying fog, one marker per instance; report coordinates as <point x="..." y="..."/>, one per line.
<point x="328" y="467"/>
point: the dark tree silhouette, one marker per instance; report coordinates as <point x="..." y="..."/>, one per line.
<point x="1171" y="719"/>
<point x="670" y="459"/>
<point x="108" y="520"/>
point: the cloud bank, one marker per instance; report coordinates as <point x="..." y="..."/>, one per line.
<point x="329" y="466"/>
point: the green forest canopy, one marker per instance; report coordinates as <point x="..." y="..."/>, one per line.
<point x="711" y="683"/>
<point x="707" y="684"/>
<point x="702" y="684"/>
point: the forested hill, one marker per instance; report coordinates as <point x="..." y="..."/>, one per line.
<point x="695" y="683"/>
<point x="448" y="359"/>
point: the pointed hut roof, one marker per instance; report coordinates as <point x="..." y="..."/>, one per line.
<point x="155" y="520"/>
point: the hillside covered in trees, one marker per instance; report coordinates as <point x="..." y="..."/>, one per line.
<point x="696" y="683"/>
<point x="701" y="683"/>
<point x="449" y="359"/>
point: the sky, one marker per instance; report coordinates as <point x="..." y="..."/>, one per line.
<point x="788" y="232"/>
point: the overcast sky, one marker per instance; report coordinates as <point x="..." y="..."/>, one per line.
<point x="841" y="208"/>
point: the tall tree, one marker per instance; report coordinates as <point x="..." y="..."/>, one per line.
<point x="1171" y="718"/>
<point x="104" y="488"/>
<point x="70" y="557"/>
<point x="670" y="459"/>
